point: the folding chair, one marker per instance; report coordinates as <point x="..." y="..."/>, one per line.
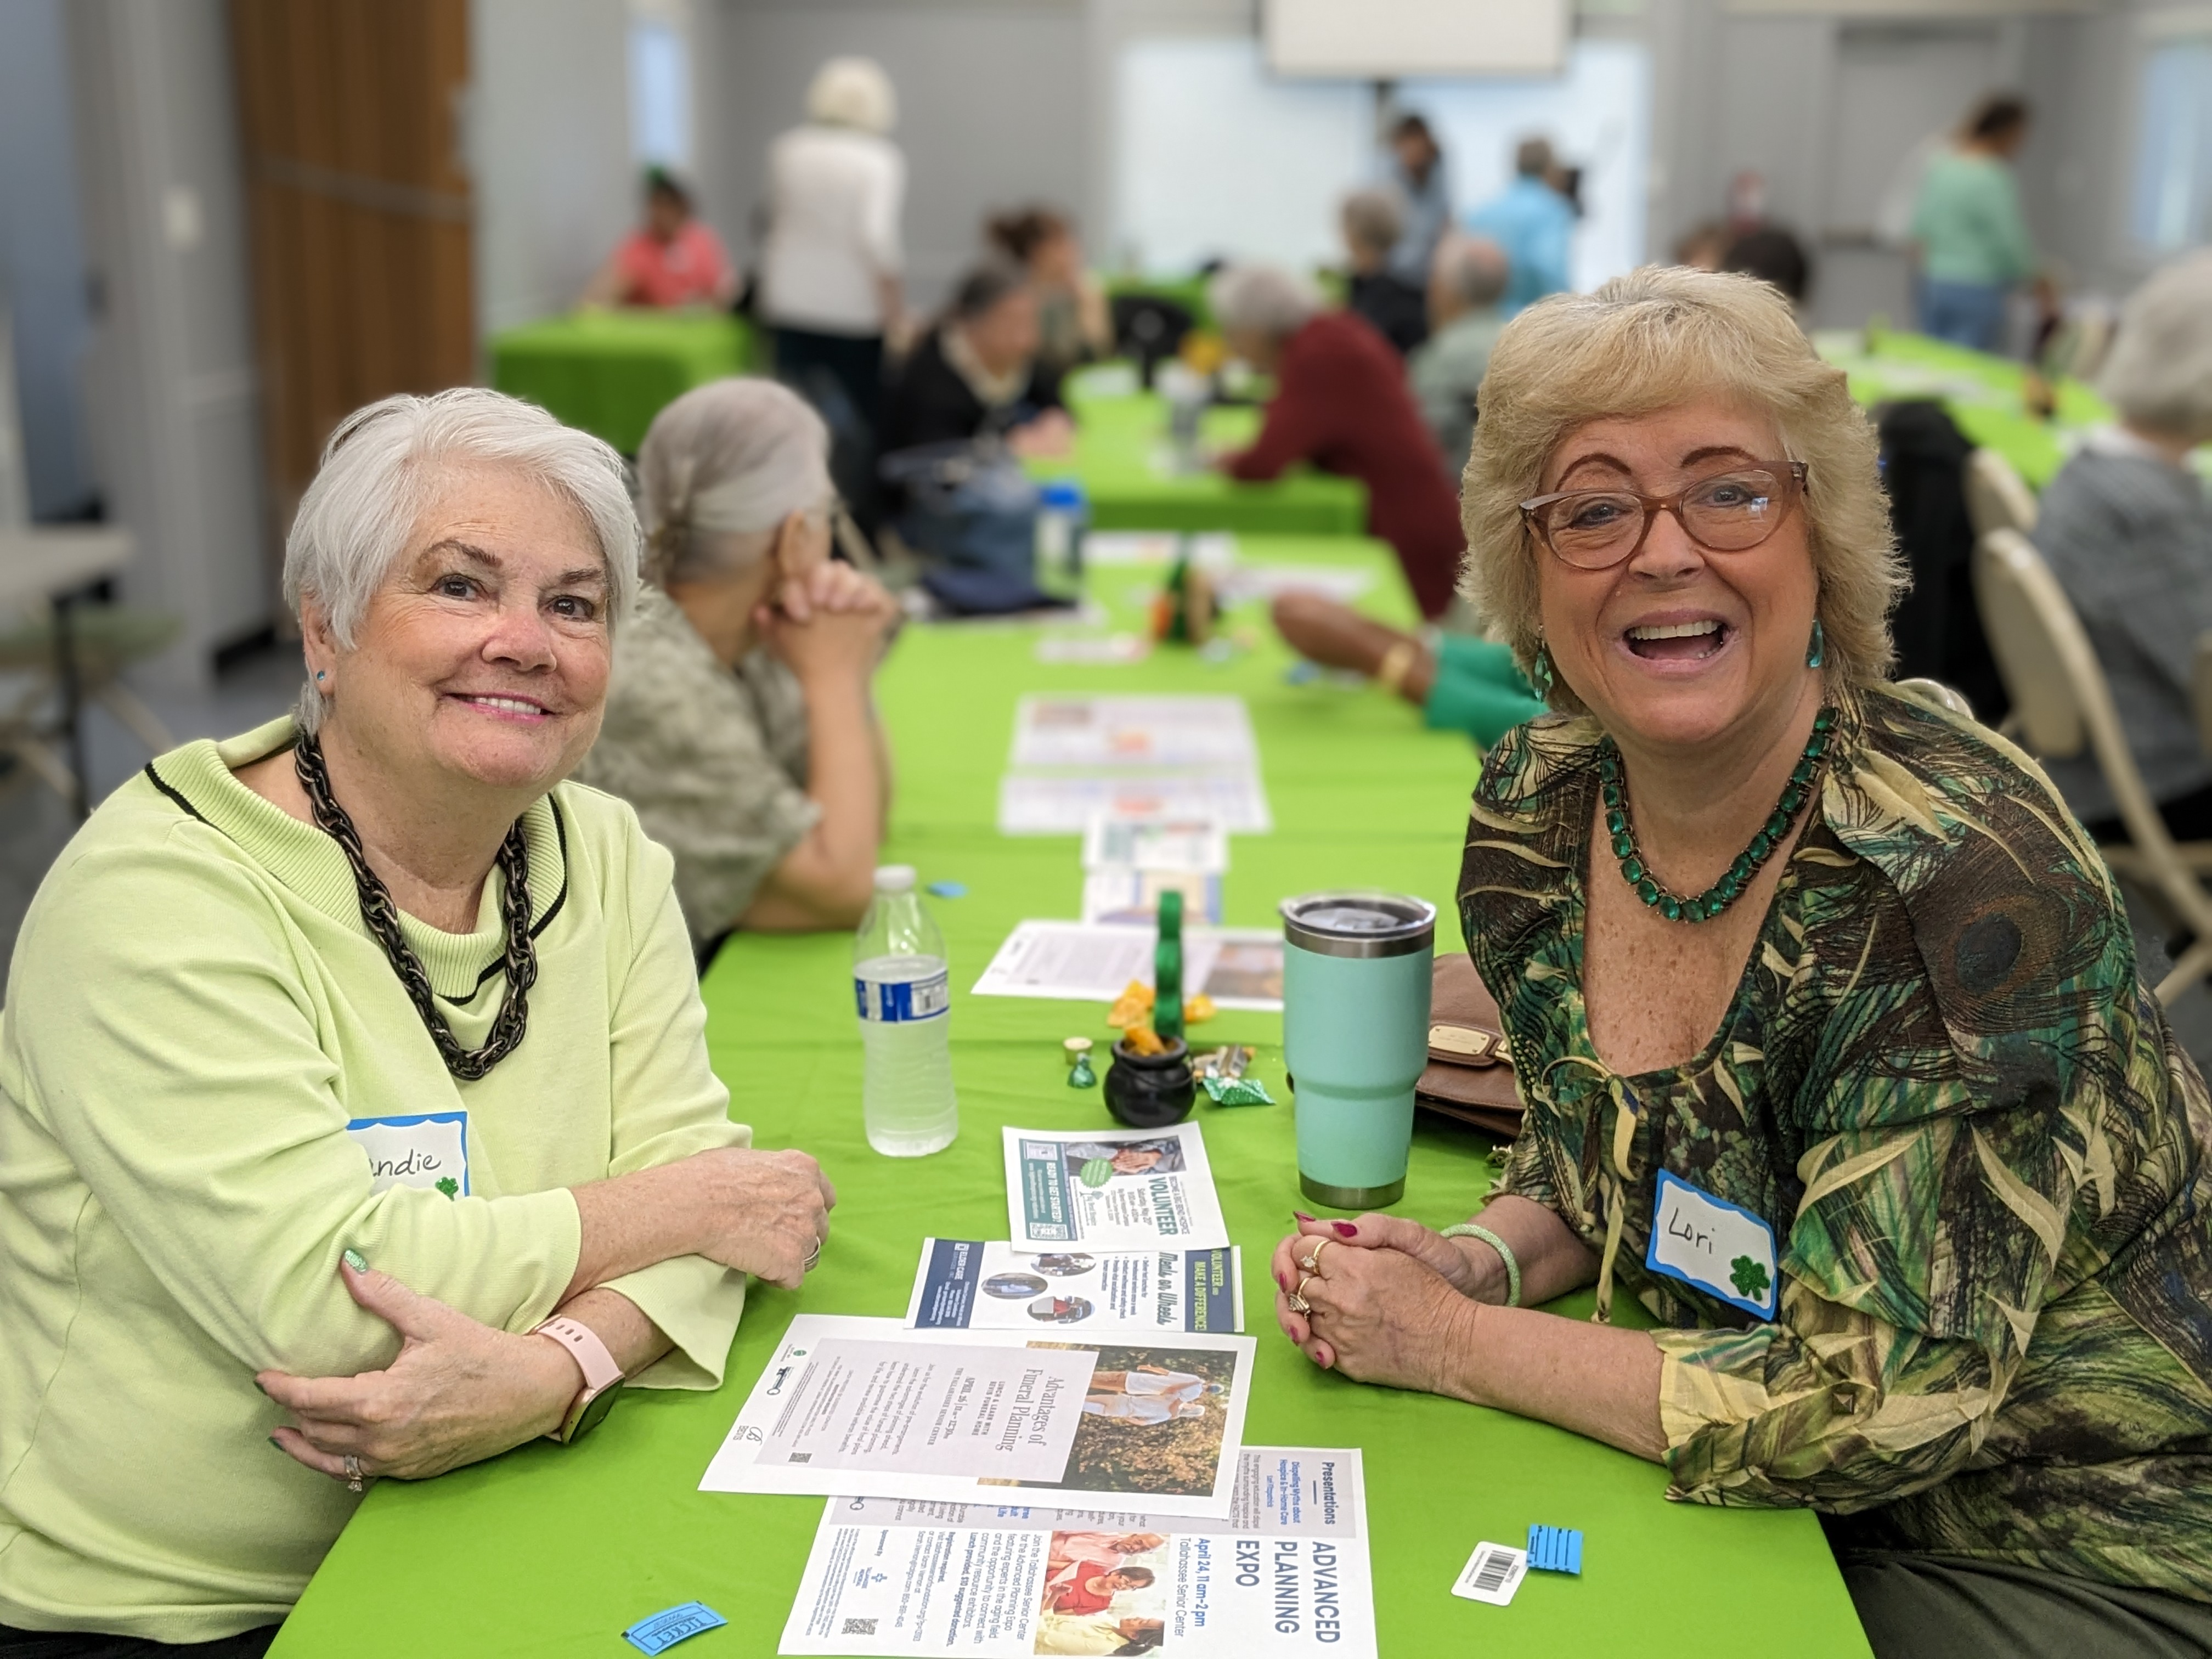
<point x="1997" y="497"/>
<point x="2062" y="699"/>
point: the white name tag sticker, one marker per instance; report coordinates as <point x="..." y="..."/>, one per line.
<point x="1719" y="1247"/>
<point x="430" y="1150"/>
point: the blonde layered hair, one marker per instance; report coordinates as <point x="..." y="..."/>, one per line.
<point x="1654" y="339"/>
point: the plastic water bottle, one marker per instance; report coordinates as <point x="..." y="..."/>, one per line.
<point x="1059" y="526"/>
<point x="901" y="989"/>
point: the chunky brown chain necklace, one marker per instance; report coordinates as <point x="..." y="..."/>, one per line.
<point x="381" y="917"/>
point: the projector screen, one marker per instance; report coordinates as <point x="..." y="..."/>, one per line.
<point x="1388" y="40"/>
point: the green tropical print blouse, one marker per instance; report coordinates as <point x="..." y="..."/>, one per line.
<point x="1983" y="1155"/>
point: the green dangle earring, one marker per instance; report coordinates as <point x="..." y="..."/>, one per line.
<point x="1817" y="652"/>
<point x="1539" y="671"/>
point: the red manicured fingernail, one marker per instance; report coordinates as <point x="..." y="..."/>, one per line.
<point x="1345" y="1229"/>
<point x="1300" y="1215"/>
<point x="1284" y="1279"/>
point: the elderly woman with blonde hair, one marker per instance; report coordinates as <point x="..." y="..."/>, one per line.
<point x="1825" y="1021"/>
<point x="741" y="724"/>
<point x="355" y="1116"/>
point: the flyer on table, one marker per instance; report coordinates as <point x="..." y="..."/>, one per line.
<point x="1287" y="1573"/>
<point x="1132" y="731"/>
<point x="1151" y="1421"/>
<point x="969" y="1285"/>
<point x="1120" y="1189"/>
<point x="1240" y="967"/>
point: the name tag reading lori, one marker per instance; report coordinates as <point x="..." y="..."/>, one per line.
<point x="1719" y="1247"/>
<point x="430" y="1150"/>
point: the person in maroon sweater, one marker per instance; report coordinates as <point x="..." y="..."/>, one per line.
<point x="1341" y="402"/>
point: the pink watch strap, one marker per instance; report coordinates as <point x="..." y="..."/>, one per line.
<point x="600" y="1371"/>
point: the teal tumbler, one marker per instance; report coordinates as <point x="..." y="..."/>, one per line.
<point x="1356" y="1038"/>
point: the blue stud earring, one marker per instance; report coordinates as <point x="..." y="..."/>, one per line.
<point x="1540" y="672"/>
<point x="1817" y="652"/>
<point x="320" y="676"/>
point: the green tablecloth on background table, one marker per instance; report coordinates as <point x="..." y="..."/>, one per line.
<point x="1982" y="393"/>
<point x="553" y="1550"/>
<point x="1121" y="459"/>
<point x="611" y="372"/>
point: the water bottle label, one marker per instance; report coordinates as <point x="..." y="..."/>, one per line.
<point x="897" y="1003"/>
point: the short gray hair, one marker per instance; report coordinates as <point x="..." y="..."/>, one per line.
<point x="381" y="467"/>
<point x="1373" y="218"/>
<point x="1263" y="300"/>
<point x="721" y="468"/>
<point x="2159" y="374"/>
<point x="853" y="92"/>
<point x="1474" y="267"/>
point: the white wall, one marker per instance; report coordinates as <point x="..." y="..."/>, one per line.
<point x="549" y="149"/>
<point x="173" y="397"/>
<point x="993" y="109"/>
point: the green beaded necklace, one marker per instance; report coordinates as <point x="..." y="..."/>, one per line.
<point x="1725" y="892"/>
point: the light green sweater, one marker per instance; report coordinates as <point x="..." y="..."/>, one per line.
<point x="1966" y="219"/>
<point x="195" y="1011"/>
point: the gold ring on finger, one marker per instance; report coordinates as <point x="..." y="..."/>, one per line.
<point x="1303" y="1283"/>
<point x="1297" y="1303"/>
<point x="353" y="1475"/>
<point x="1312" y="1263"/>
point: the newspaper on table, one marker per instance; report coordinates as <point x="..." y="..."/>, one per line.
<point x="1094" y="962"/>
<point x="993" y="1417"/>
<point x="1286" y="1574"/>
<point x="969" y="1285"/>
<point x="1120" y="1189"/>
<point x="1132" y="731"/>
<point x="1066" y="803"/>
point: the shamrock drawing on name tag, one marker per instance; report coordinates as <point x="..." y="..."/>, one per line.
<point x="1720" y="1247"/>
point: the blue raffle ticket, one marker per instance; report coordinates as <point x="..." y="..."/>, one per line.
<point x="664" y="1630"/>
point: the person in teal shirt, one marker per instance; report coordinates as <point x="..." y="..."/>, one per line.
<point x="1973" y="244"/>
<point x="1460" y="682"/>
<point x="1533" y="224"/>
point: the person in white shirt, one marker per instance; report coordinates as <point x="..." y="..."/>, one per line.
<point x="830" y="276"/>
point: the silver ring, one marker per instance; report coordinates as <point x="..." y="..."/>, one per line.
<point x="813" y="1258"/>
<point x="353" y="1473"/>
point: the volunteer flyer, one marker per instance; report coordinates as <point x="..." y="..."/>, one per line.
<point x="968" y="1284"/>
<point x="1286" y="1574"/>
<point x="1133" y="731"/>
<point x="960" y="1416"/>
<point x="1123" y="1189"/>
<point x="1094" y="962"/>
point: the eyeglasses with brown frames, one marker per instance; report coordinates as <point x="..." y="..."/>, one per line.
<point x="1728" y="512"/>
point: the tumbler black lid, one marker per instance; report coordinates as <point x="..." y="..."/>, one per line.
<point x="1359" y="924"/>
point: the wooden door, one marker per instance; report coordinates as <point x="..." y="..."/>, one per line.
<point x="350" y="114"/>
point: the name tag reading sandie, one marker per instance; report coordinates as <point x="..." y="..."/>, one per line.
<point x="1719" y="1247"/>
<point x="430" y="1150"/>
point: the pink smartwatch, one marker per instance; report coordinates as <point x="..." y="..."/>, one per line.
<point x="602" y="1376"/>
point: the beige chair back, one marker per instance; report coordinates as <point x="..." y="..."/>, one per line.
<point x="2060" y="691"/>
<point x="1997" y="497"/>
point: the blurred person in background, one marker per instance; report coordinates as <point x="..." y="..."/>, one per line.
<point x="1534" y="222"/>
<point x="829" y="275"/>
<point x="672" y="260"/>
<point x="1423" y="183"/>
<point x="1773" y="255"/>
<point x="1074" y="324"/>
<point x="1466" y="283"/>
<point x="1342" y="403"/>
<point x="1971" y="242"/>
<point x="977" y="372"/>
<point x="1371" y="220"/>
<point x="2128" y="533"/>
<point x="740" y="723"/>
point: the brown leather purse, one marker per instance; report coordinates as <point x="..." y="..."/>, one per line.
<point x="1470" y="1072"/>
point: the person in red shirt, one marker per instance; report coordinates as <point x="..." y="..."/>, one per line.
<point x="673" y="260"/>
<point x="1341" y="402"/>
<point x="1077" y="1589"/>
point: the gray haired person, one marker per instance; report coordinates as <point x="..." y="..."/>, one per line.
<point x="1373" y="221"/>
<point x="740" y="722"/>
<point x="1466" y="283"/>
<point x="2128" y="531"/>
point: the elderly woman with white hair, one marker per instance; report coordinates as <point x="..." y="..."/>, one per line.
<point x="1825" y="1016"/>
<point x="356" y="1115"/>
<point x="829" y="275"/>
<point x="741" y="724"/>
<point x="2128" y="531"/>
<point x="1341" y="404"/>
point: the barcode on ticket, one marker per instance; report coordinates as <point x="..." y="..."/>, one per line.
<point x="1493" y="1572"/>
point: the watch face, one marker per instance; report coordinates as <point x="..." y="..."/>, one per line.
<point x="601" y="1404"/>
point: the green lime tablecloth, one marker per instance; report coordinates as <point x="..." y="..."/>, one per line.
<point x="1120" y="458"/>
<point x="1983" y="394"/>
<point x="611" y="372"/>
<point x="548" y="1551"/>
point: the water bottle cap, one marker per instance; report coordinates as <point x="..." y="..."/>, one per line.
<point x="1061" y="492"/>
<point x="895" y="878"/>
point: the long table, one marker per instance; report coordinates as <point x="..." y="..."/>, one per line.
<point x="611" y="372"/>
<point x="552" y="1551"/>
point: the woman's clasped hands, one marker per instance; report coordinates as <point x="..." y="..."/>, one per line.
<point x="1385" y="1299"/>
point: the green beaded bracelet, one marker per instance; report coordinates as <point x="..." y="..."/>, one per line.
<point x="1476" y="1229"/>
